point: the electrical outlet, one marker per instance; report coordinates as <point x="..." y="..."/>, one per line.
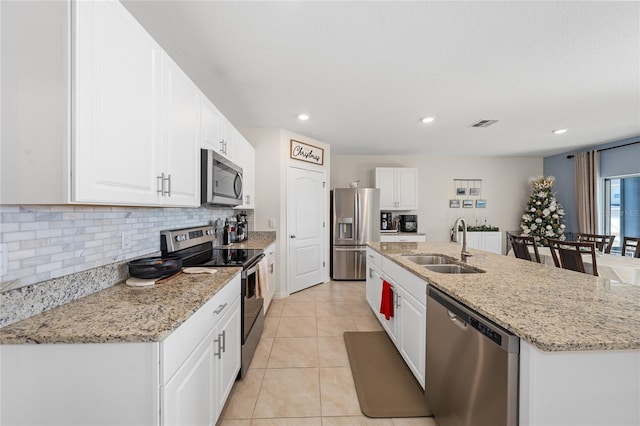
<point x="4" y="259"/>
<point x="272" y="223"/>
<point x="127" y="237"/>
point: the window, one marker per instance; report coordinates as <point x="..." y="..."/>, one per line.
<point x="622" y="208"/>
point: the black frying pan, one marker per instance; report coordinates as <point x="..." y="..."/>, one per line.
<point x="154" y="267"/>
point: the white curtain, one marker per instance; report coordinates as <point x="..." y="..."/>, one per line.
<point x="587" y="177"/>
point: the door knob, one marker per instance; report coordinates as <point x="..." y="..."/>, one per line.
<point x="292" y="236"/>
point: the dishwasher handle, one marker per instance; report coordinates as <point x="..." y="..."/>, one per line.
<point x="464" y="317"/>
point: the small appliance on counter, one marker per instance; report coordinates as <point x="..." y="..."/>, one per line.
<point x="408" y="223"/>
<point x="386" y="221"/>
<point x="242" y="233"/>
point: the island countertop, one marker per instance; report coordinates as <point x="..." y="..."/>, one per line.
<point x="121" y="313"/>
<point x="551" y="308"/>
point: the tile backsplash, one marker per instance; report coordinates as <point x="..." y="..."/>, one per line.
<point x="46" y="242"/>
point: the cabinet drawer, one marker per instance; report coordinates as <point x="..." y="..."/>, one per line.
<point x="407" y="280"/>
<point x="176" y="348"/>
<point x="374" y="257"/>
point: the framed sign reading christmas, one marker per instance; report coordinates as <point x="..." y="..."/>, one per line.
<point x="305" y="152"/>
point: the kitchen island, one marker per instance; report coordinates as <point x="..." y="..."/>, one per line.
<point x="580" y="335"/>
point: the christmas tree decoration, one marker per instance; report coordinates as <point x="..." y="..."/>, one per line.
<point x="543" y="217"/>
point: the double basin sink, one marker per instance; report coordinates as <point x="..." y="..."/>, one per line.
<point x="442" y="264"/>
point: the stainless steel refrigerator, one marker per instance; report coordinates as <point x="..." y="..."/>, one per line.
<point x="355" y="222"/>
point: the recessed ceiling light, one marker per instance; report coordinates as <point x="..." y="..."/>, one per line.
<point x="559" y="131"/>
<point x="427" y="120"/>
<point x="303" y="117"/>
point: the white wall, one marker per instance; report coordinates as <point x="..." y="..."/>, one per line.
<point x="505" y="186"/>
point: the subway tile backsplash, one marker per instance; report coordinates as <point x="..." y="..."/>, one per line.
<point x="45" y="242"/>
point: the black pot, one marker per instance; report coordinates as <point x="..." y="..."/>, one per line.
<point x="154" y="267"/>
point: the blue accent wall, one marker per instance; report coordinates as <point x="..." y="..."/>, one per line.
<point x="614" y="162"/>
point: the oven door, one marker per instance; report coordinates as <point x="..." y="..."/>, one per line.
<point x="251" y="304"/>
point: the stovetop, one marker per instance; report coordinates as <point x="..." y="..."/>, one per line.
<point x="232" y="257"/>
<point x="195" y="247"/>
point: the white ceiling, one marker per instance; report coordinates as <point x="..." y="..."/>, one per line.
<point x="366" y="72"/>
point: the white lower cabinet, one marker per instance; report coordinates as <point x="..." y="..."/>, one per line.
<point x="412" y="332"/>
<point x="196" y="393"/>
<point x="271" y="275"/>
<point x="226" y="356"/>
<point x="187" y="397"/>
<point x="487" y="241"/>
<point x="183" y="380"/>
<point x="407" y="328"/>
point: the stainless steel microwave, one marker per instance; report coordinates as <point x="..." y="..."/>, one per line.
<point x="221" y="180"/>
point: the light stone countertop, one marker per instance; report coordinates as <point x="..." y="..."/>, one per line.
<point x="121" y="313"/>
<point x="551" y="308"/>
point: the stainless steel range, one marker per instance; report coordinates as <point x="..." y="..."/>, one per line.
<point x="195" y="247"/>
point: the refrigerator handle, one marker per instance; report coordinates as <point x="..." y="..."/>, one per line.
<point x="357" y="215"/>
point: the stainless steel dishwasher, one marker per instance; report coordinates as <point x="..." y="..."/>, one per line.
<point x="472" y="366"/>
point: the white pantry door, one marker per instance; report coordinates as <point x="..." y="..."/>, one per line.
<point x="306" y="231"/>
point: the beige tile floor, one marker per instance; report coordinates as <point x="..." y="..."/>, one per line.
<point x="300" y="373"/>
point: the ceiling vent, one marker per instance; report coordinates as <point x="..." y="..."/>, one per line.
<point x="484" y="123"/>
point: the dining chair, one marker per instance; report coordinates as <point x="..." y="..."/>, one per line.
<point x="521" y="246"/>
<point x="568" y="254"/>
<point x="604" y="243"/>
<point x="632" y="244"/>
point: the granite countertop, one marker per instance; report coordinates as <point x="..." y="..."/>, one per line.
<point x="257" y="240"/>
<point x="121" y="313"/>
<point x="551" y="308"/>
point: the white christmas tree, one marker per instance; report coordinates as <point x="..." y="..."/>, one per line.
<point x="543" y="217"/>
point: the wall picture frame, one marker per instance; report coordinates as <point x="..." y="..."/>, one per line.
<point x="474" y="192"/>
<point x="481" y="204"/>
<point x="467" y="204"/>
<point x="454" y="204"/>
<point x="461" y="191"/>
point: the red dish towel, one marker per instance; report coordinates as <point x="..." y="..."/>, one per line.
<point x="386" y="302"/>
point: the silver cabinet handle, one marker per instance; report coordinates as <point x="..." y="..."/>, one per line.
<point x="224" y="340"/>
<point x="219" y="353"/>
<point x="220" y="309"/>
<point x="160" y="184"/>
<point x="168" y="186"/>
<point x="162" y="178"/>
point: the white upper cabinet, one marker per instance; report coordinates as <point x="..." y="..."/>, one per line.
<point x="137" y="115"/>
<point x="119" y="126"/>
<point x="210" y="124"/>
<point x="116" y="107"/>
<point x="246" y="158"/>
<point x="180" y="137"/>
<point x="398" y="188"/>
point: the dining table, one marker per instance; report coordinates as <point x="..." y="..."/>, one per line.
<point x="624" y="269"/>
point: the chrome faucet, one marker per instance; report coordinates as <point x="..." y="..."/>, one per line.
<point x="464" y="255"/>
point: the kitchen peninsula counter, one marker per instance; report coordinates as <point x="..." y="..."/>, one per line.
<point x="550" y="308"/>
<point x="121" y="313"/>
